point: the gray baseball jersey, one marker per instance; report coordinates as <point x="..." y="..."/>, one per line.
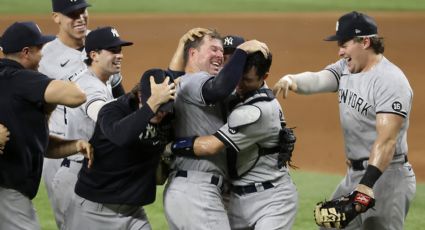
<point x="271" y="207"/>
<point x="60" y="62"/>
<point x="79" y="124"/>
<point x="383" y="89"/>
<point x="195" y="117"/>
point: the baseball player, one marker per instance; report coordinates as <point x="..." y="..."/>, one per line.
<point x="63" y="58"/>
<point x="263" y="195"/>
<point x="27" y="97"/>
<point x="375" y="100"/>
<point x="128" y="141"/>
<point x="104" y="57"/>
<point x="4" y="137"/>
<point x="195" y="183"/>
<point x="230" y="42"/>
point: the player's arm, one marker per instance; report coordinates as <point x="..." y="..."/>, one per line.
<point x="219" y="87"/>
<point x="60" y="148"/>
<point x="64" y="93"/>
<point x="4" y="137"/>
<point x="94" y="108"/>
<point x="177" y="61"/>
<point x="307" y="83"/>
<point x="388" y="126"/>
<point x="197" y="146"/>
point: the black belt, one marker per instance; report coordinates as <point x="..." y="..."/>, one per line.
<point x="358" y="165"/>
<point x="245" y="189"/>
<point x="66" y="162"/>
<point x="214" y="179"/>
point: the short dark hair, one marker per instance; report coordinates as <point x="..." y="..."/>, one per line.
<point x="197" y="42"/>
<point x="89" y="60"/>
<point x="261" y="63"/>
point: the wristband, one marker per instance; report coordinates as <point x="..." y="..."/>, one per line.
<point x="371" y="175"/>
<point x="184" y="146"/>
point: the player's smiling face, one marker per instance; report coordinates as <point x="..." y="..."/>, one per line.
<point x="108" y="61"/>
<point x="209" y="56"/>
<point x="355" y="55"/>
<point x="72" y="26"/>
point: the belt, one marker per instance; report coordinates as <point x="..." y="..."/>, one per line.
<point x="360" y="164"/>
<point x="251" y="188"/>
<point x="67" y="162"/>
<point x="215" y="180"/>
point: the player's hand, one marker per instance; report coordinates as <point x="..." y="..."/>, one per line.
<point x="4" y="137"/>
<point x="161" y="93"/>
<point x="87" y="150"/>
<point x="253" y="46"/>
<point x="193" y="33"/>
<point x="285" y="84"/>
<point x="368" y="192"/>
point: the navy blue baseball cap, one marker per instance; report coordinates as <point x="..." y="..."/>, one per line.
<point x="22" y="34"/>
<point x="145" y="87"/>
<point x="104" y="38"/>
<point x="230" y="42"/>
<point x="352" y="25"/>
<point x="68" y="6"/>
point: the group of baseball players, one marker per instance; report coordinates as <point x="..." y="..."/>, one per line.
<point x="210" y="116"/>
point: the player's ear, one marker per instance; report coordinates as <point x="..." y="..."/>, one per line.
<point x="266" y="75"/>
<point x="55" y="17"/>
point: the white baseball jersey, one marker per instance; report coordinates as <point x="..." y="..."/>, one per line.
<point x="79" y="125"/>
<point x="60" y="62"/>
<point x="383" y="89"/>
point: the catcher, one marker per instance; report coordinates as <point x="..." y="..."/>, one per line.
<point x="259" y="149"/>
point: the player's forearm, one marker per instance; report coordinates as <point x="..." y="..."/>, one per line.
<point x="64" y="93"/>
<point x="315" y="82"/>
<point x="207" y="145"/>
<point x="60" y="148"/>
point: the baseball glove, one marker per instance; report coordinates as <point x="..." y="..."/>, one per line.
<point x="338" y="213"/>
<point x="287" y="141"/>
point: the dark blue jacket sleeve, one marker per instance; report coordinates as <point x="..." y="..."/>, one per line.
<point x="121" y="128"/>
<point x="219" y="87"/>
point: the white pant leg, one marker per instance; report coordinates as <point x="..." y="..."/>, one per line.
<point x="16" y="211"/>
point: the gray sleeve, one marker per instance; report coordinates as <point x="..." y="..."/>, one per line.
<point x="393" y="94"/>
<point x="190" y="88"/>
<point x="95" y="91"/>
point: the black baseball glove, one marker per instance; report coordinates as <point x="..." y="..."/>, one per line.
<point x="338" y="213"/>
<point x="287" y="141"/>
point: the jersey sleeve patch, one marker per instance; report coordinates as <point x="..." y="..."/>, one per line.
<point x="244" y="115"/>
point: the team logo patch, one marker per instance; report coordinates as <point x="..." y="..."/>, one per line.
<point x="232" y="131"/>
<point x="397" y="106"/>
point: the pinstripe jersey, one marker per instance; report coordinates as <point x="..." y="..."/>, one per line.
<point x="246" y="140"/>
<point x="79" y="124"/>
<point x="60" y="62"/>
<point x="382" y="89"/>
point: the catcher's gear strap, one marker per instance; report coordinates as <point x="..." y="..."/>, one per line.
<point x="371" y="175"/>
<point x="184" y="146"/>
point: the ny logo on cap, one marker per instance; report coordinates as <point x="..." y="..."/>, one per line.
<point x="72" y="0"/>
<point x="228" y="41"/>
<point x="357" y="31"/>
<point x="337" y="25"/>
<point x="114" y="32"/>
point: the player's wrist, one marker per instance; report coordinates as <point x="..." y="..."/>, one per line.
<point x="370" y="177"/>
<point x="184" y="146"/>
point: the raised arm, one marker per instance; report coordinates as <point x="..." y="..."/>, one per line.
<point x="64" y="93"/>
<point x="221" y="86"/>
<point x="306" y="83"/>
